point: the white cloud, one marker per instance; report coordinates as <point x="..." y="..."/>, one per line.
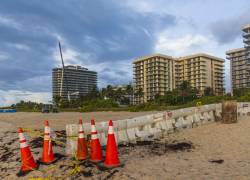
<point x="185" y="38"/>
<point x="187" y="44"/>
<point x="37" y="83"/>
<point x="119" y="72"/>
<point x="7" y="21"/>
<point x="3" y="56"/>
<point x="19" y="46"/>
<point x="180" y="45"/>
<point x="113" y="45"/>
<point x="13" y="96"/>
<point x="70" y="57"/>
<point x="142" y="6"/>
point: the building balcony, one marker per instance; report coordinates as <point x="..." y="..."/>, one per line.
<point x="200" y="68"/>
<point x="246" y="41"/>
<point x="246" y="34"/>
<point x="247" y="46"/>
<point x="219" y="68"/>
<point x="218" y="65"/>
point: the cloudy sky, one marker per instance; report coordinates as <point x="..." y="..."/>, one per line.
<point x="106" y="36"/>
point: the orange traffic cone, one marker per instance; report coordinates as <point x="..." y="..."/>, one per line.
<point x="111" y="159"/>
<point x="28" y="162"/>
<point x="48" y="155"/>
<point x="96" y="150"/>
<point x="82" y="150"/>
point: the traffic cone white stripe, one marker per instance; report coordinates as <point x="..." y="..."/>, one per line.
<point x="93" y="132"/>
<point x="21" y="137"/>
<point x="22" y="140"/>
<point x="81" y="135"/>
<point x="80" y="128"/>
<point x="46" y="133"/>
<point x="93" y="129"/>
<point x="111" y="130"/>
<point x="94" y="136"/>
<point x="24" y="144"/>
<point x="81" y="132"/>
<point x="46" y="129"/>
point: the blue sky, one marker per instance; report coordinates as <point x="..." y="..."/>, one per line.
<point x="106" y="36"/>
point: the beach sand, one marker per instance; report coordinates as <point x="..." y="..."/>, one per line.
<point x="59" y="120"/>
<point x="211" y="151"/>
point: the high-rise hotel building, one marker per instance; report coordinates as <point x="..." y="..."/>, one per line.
<point x="157" y="74"/>
<point x="72" y="82"/>
<point x="240" y="62"/>
<point x="153" y="75"/>
<point x="201" y="71"/>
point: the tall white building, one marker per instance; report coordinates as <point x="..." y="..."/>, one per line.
<point x="73" y="82"/>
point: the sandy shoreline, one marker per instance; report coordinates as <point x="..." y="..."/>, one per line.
<point x="59" y="120"/>
<point x="229" y="144"/>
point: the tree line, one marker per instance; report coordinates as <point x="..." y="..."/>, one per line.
<point x="120" y="98"/>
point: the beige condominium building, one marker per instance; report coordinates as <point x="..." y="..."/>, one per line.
<point x="153" y="75"/>
<point x="240" y="62"/>
<point x="239" y="68"/>
<point x="201" y="71"/>
<point x="157" y="74"/>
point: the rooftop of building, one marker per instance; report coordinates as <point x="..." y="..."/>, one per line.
<point x="245" y="27"/>
<point x="152" y="56"/>
<point x="179" y="58"/>
<point x="237" y="50"/>
<point x="73" y="67"/>
<point x="200" y="55"/>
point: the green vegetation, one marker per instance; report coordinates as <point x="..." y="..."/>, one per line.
<point x="118" y="99"/>
<point x="27" y="106"/>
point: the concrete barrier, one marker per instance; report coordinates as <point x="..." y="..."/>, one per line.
<point x="152" y="126"/>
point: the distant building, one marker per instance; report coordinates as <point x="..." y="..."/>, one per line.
<point x="126" y="98"/>
<point x="153" y="75"/>
<point x="246" y="36"/>
<point x="157" y="74"/>
<point x="239" y="68"/>
<point x="240" y="62"/>
<point x="77" y="81"/>
<point x="201" y="71"/>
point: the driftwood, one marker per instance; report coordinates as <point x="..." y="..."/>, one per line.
<point x="229" y="112"/>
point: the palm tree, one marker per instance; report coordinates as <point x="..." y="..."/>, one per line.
<point x="184" y="88"/>
<point x="129" y="89"/>
<point x="110" y="92"/>
<point x="208" y="91"/>
<point x="139" y="93"/>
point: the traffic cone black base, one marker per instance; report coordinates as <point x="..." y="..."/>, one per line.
<point x="24" y="173"/>
<point x="103" y="167"/>
<point x="57" y="157"/>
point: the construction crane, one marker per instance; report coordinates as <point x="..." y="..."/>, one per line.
<point x="63" y="70"/>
